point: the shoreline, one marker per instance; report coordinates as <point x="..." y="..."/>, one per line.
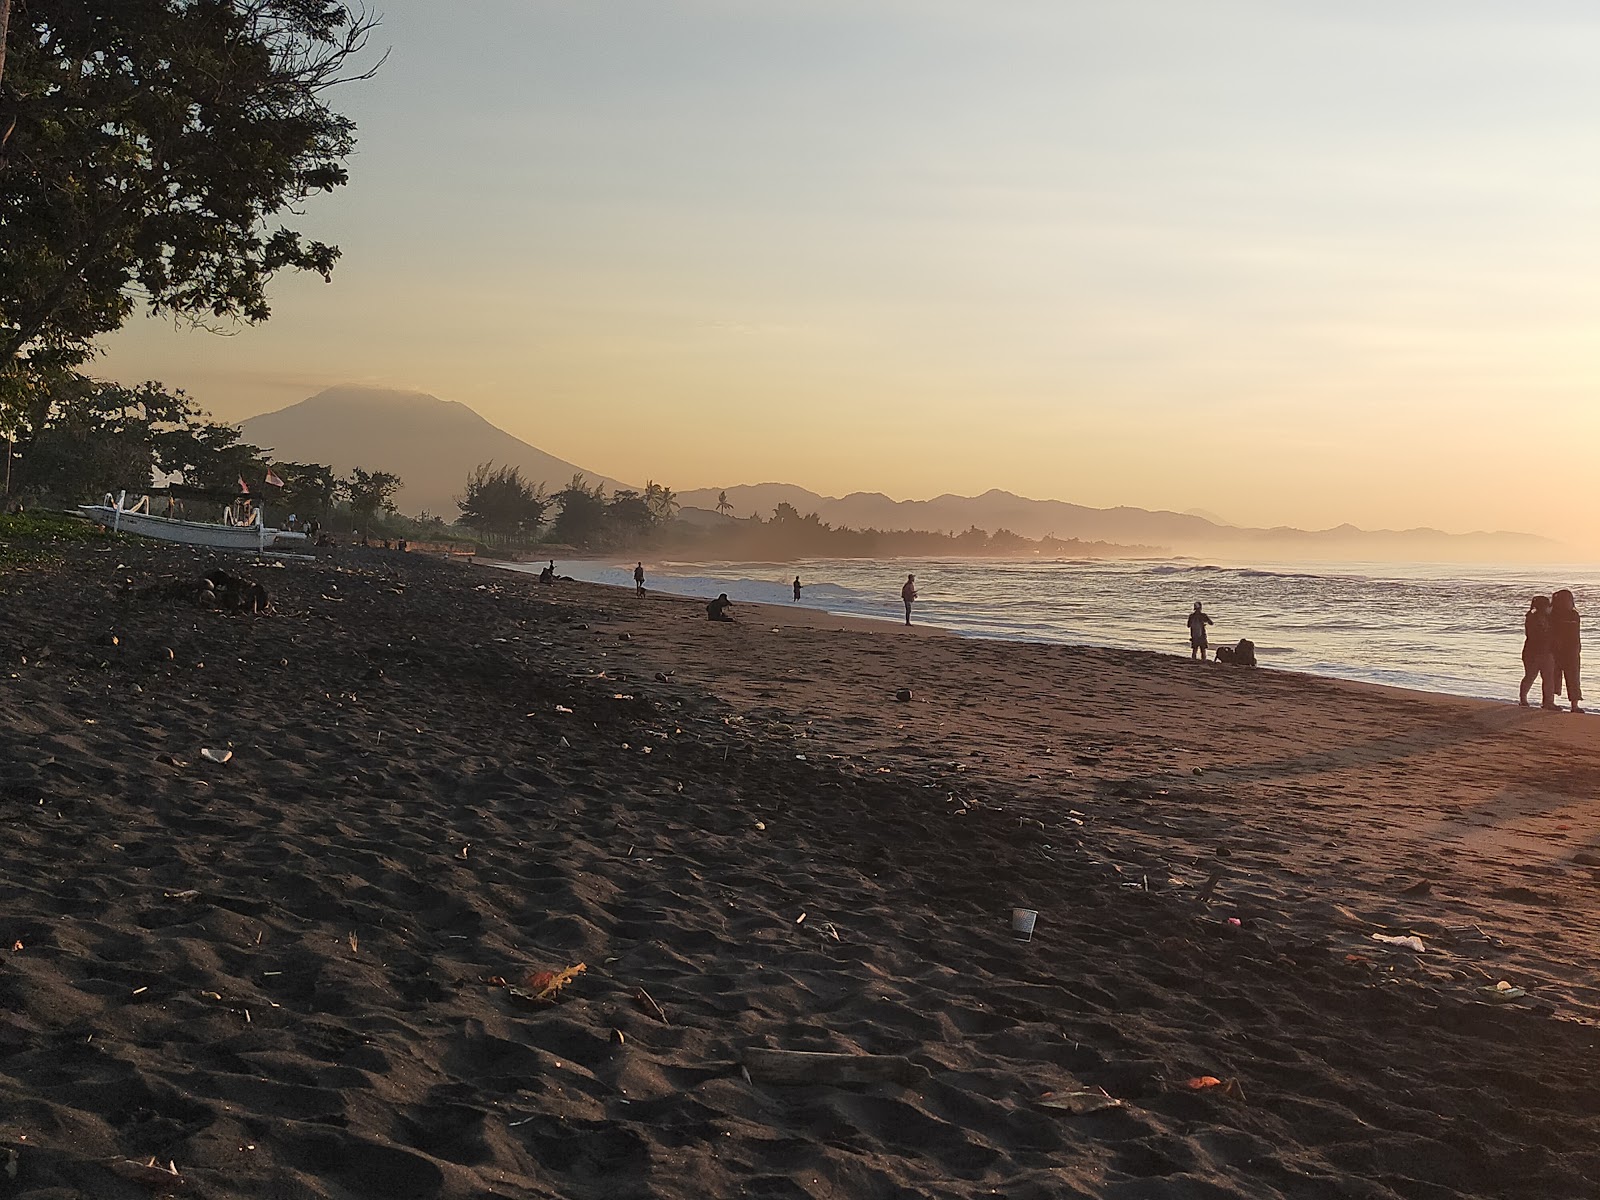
<point x="845" y="620"/>
<point x="283" y="972"/>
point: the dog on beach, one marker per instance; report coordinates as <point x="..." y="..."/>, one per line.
<point x="1242" y="655"/>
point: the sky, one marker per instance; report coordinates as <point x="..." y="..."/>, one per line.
<point x="1285" y="261"/>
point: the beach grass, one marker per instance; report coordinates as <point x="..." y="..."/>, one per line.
<point x="29" y="537"/>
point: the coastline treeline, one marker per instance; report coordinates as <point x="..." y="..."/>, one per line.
<point x="788" y="535"/>
<point x="510" y="516"/>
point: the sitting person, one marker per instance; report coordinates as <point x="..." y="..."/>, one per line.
<point x="717" y="610"/>
<point x="1242" y="655"/>
<point x="548" y="574"/>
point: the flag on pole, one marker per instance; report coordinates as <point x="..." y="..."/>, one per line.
<point x="272" y="478"/>
<point x="244" y="488"/>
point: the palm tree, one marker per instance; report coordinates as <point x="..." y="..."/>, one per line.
<point x="661" y="500"/>
<point x="723" y="507"/>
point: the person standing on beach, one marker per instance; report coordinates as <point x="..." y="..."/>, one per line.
<point x="1537" y="662"/>
<point x="797" y="589"/>
<point x="1566" y="644"/>
<point x="909" y="594"/>
<point x="1197" y="633"/>
<point x="638" y="579"/>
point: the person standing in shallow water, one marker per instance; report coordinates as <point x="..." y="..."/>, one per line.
<point x="797" y="589"/>
<point x="638" y="579"/>
<point x="1197" y="633"/>
<point x="1536" y="659"/>
<point x="1566" y="645"/>
<point x="909" y="594"/>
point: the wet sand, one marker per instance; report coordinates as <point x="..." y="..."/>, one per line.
<point x="281" y="973"/>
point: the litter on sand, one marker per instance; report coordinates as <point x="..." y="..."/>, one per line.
<point x="1080" y="1104"/>
<point x="1504" y="991"/>
<point x="216" y="756"/>
<point x="543" y="987"/>
<point x="643" y="999"/>
<point x="1409" y="942"/>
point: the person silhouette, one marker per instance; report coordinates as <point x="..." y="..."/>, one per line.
<point x="1537" y="661"/>
<point x="717" y="610"/>
<point x="638" y="579"/>
<point x="909" y="594"/>
<point x="797" y="589"/>
<point x="1197" y="633"/>
<point x="1566" y="645"/>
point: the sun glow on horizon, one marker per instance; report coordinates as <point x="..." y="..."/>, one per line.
<point x="1293" y="264"/>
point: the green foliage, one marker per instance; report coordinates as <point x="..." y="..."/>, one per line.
<point x="148" y="145"/>
<point x="499" y="501"/>
<point x="79" y="438"/>
<point x="369" y="492"/>
<point x="34" y="537"/>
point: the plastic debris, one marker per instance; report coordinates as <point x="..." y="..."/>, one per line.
<point x="1407" y="942"/>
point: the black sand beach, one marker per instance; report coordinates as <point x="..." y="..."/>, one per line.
<point x="281" y="974"/>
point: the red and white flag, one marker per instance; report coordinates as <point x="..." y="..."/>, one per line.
<point x="244" y="488"/>
<point x="272" y="478"/>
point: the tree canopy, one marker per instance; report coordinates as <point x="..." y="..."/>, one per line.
<point x="148" y="147"/>
<point x="83" y="437"/>
<point x="498" y="500"/>
<point x="370" y="492"/>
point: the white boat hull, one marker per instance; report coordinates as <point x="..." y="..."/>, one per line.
<point x="192" y="533"/>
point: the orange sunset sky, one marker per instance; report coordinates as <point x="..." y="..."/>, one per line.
<point x="1287" y="262"/>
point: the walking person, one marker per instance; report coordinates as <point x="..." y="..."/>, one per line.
<point x="909" y="594"/>
<point x="1537" y="660"/>
<point x="1197" y="633"/>
<point x="638" y="579"/>
<point x="1566" y="645"/>
<point x="797" y="589"/>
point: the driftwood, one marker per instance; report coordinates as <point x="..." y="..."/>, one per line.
<point x="804" y="1066"/>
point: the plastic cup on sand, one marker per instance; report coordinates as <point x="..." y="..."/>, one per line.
<point x="1022" y="921"/>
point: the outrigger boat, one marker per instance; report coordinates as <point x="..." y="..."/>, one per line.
<point x="234" y="529"/>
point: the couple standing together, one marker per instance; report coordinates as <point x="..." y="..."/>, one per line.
<point x="1551" y="648"/>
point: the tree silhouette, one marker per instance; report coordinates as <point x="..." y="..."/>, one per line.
<point x="499" y="500"/>
<point x="370" y="492"/>
<point x="144" y="149"/>
<point x="662" y="502"/>
<point x="723" y="507"/>
<point x="582" y="519"/>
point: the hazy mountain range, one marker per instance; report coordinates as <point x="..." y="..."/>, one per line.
<point x="433" y="444"/>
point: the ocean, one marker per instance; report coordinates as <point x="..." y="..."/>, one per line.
<point x="1451" y="628"/>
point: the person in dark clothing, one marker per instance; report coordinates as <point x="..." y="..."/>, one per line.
<point x="1566" y="644"/>
<point x="797" y="589"/>
<point x="638" y="579"/>
<point x="547" y="575"/>
<point x="717" y="610"/>
<point x="1537" y="662"/>
<point x="1197" y="633"/>
<point x="908" y="595"/>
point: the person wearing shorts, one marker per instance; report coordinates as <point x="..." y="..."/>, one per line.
<point x="1197" y="633"/>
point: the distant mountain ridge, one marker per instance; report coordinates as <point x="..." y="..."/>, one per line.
<point x="1184" y="533"/>
<point x="432" y="444"/>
